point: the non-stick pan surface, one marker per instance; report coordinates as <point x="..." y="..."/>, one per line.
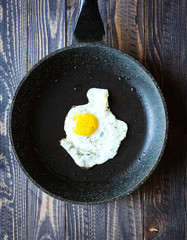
<point x="60" y="81"/>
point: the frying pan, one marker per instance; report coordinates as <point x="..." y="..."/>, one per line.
<point x="61" y="80"/>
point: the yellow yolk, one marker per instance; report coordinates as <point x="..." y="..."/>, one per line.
<point x="85" y="124"/>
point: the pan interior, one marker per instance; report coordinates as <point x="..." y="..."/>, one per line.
<point x="46" y="96"/>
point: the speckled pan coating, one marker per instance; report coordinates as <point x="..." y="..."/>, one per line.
<point x="42" y="101"/>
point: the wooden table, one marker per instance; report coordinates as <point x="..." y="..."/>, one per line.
<point x="153" y="32"/>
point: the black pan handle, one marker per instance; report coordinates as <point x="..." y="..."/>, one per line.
<point x="89" y="26"/>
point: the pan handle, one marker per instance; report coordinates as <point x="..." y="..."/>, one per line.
<point x="89" y="26"/>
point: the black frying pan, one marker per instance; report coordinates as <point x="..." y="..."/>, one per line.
<point x="61" y="80"/>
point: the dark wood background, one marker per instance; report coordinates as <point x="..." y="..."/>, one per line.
<point x="155" y="33"/>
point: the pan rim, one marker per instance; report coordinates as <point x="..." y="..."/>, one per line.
<point x="80" y="45"/>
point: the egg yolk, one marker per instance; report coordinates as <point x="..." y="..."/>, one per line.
<point x="85" y="124"/>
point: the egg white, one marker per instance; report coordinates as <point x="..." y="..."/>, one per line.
<point x="103" y="144"/>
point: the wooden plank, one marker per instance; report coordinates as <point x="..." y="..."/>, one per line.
<point x="46" y="216"/>
<point x="46" y="28"/>
<point x="122" y="219"/>
<point x="72" y="12"/>
<point x="83" y="222"/>
<point x="46" y="33"/>
<point x="165" y="25"/>
<point x="125" y="217"/>
<point x="125" y="26"/>
<point x="86" y="222"/>
<point x="13" y="183"/>
<point x="125" y="21"/>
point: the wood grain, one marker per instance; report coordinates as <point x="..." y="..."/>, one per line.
<point x="46" y="33"/>
<point x="46" y="28"/>
<point x="13" y="183"/>
<point x="125" y="218"/>
<point x="121" y="219"/>
<point x="72" y="13"/>
<point x="86" y="222"/>
<point x="165" y="48"/>
<point x="46" y="216"/>
<point x="125" y="21"/>
<point x="82" y="221"/>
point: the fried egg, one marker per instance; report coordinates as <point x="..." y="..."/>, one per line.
<point x="93" y="134"/>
